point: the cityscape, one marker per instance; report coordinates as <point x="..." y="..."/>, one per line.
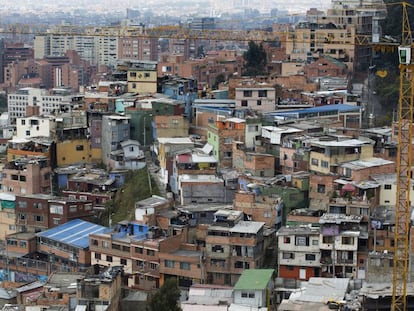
<point x="249" y="155"/>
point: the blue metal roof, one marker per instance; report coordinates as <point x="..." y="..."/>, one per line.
<point x="75" y="233"/>
<point x="337" y="107"/>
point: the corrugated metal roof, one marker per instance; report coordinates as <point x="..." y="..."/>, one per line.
<point x="75" y="232"/>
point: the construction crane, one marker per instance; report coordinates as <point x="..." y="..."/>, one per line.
<point x="404" y="162"/>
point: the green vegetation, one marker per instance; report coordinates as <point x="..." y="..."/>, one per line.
<point x="387" y="88"/>
<point x="219" y="79"/>
<point x="166" y="298"/>
<point x="256" y="60"/>
<point x="136" y="188"/>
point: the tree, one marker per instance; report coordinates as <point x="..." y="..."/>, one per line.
<point x="256" y="60"/>
<point x="219" y="79"/>
<point x="166" y="298"/>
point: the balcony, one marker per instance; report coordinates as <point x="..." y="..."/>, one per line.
<point x="341" y="261"/>
<point x="326" y="261"/>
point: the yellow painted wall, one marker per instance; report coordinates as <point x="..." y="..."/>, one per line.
<point x="67" y="153"/>
<point x="142" y="82"/>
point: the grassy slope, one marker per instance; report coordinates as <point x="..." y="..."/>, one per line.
<point x="136" y="188"/>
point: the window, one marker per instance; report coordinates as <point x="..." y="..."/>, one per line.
<point x="259" y="102"/>
<point x="88" y="207"/>
<point x="108" y="258"/>
<point x="347" y="240"/>
<point x="310" y="257"/>
<point x="288" y="255"/>
<point x="153" y="266"/>
<point x="184" y="266"/>
<point x="315" y="242"/>
<point x="37" y="205"/>
<point x="73" y="208"/>
<point x="22" y="216"/>
<point x="228" y="140"/>
<point x="146" y="75"/>
<point x="12" y="242"/>
<point x="324" y="164"/>
<point x="140" y="264"/>
<point x="169" y="263"/>
<point x="97" y="256"/>
<point x="302" y="241"/>
<point x="79" y="147"/>
<point x="251" y="295"/>
<point x="387" y="187"/>
<point x="56" y="209"/>
<point x="262" y="93"/>
<point x="217" y="249"/>
<point x="321" y="188"/>
<point x="38" y="218"/>
<point x="150" y="252"/>
<point x="22" y="244"/>
<point x="133" y="74"/>
<point x="123" y="261"/>
<point x="286" y="240"/>
<point x="139" y="250"/>
<point x="22" y="204"/>
<point x="247" y="93"/>
<point x="244" y="103"/>
<point x="105" y="244"/>
<point x="315" y="162"/>
<point x="328" y="239"/>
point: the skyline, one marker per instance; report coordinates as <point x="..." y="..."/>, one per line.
<point x="212" y="8"/>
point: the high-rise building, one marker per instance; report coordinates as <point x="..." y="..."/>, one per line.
<point x="98" y="45"/>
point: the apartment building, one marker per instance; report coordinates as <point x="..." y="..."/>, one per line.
<point x="185" y="264"/>
<point x="48" y="102"/>
<point x="256" y="97"/>
<point x="197" y="161"/>
<point x="39" y="212"/>
<point x="35" y="126"/>
<point x="142" y="77"/>
<point x="27" y="176"/>
<point x="101" y="289"/>
<point x="138" y="48"/>
<point x="232" y="245"/>
<point x="329" y="152"/>
<point x="171" y="126"/>
<point x="136" y="247"/>
<point x="221" y="136"/>
<point x="248" y="161"/>
<point x="97" y="45"/>
<point x="68" y="243"/>
<point x="166" y="148"/>
<point x="338" y="242"/>
<point x="259" y="207"/>
<point x="203" y="189"/>
<point x="115" y="129"/>
<point x="311" y="40"/>
<point x="299" y="255"/>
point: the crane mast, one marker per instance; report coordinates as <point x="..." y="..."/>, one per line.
<point x="404" y="163"/>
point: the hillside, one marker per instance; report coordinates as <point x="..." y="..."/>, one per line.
<point x="136" y="188"/>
